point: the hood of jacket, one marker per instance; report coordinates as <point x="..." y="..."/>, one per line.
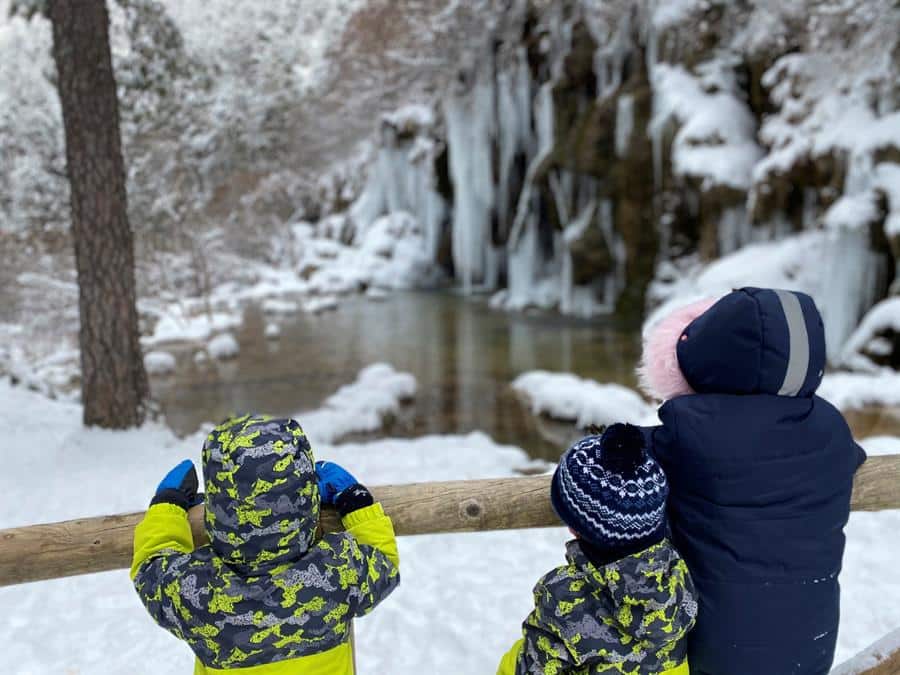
<point x="755" y="341"/>
<point x="649" y="594"/>
<point x="262" y="498"/>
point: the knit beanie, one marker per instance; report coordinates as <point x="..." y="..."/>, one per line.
<point x="611" y="492"/>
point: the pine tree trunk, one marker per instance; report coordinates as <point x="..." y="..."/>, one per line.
<point x="113" y="380"/>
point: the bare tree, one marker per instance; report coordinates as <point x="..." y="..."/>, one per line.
<point x="114" y="384"/>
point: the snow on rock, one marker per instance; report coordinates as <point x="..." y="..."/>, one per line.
<point x="881" y="445"/>
<point x="716" y="139"/>
<point x="159" y="363"/>
<point x="397" y="250"/>
<point x="567" y="397"/>
<point x="320" y="304"/>
<point x="794" y="263"/>
<point x="362" y="406"/>
<point x="852" y="211"/>
<point x="279" y="306"/>
<point x="888" y="181"/>
<point x="882" y="318"/>
<point x="273" y="331"/>
<point x="223" y="347"/>
<point x="178" y="325"/>
<point x="858" y="390"/>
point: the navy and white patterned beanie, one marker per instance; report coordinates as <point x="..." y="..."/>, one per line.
<point x="611" y="492"/>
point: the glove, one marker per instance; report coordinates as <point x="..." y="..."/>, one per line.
<point x="338" y="487"/>
<point x="179" y="487"/>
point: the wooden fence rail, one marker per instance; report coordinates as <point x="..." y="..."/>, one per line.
<point x="86" y="545"/>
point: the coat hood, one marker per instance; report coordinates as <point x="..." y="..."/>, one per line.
<point x="649" y="594"/>
<point x="262" y="498"/>
<point x="755" y="341"/>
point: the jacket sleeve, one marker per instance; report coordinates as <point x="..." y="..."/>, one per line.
<point x="377" y="559"/>
<point x="510" y="658"/>
<point x="542" y="649"/>
<point x="161" y="541"/>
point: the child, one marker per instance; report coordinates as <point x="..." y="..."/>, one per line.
<point x="761" y="471"/>
<point x="264" y="596"/>
<point x="624" y="602"/>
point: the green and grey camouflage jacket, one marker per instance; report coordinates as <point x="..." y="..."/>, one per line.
<point x="264" y="590"/>
<point x="631" y="616"/>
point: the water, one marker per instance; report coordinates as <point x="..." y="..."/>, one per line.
<point x="463" y="354"/>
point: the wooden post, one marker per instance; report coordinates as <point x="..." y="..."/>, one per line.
<point x="102" y="543"/>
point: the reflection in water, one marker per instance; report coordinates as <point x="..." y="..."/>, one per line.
<point x="463" y="354"/>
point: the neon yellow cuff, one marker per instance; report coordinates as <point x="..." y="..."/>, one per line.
<point x="362" y="515"/>
<point x="165" y="509"/>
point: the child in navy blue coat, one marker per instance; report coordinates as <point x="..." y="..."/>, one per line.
<point x="760" y="472"/>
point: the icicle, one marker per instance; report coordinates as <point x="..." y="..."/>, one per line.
<point x="571" y="234"/>
<point x="470" y="133"/>
<point x="855" y="276"/>
<point x="735" y="230"/>
<point x="624" y="123"/>
<point x="544" y="124"/>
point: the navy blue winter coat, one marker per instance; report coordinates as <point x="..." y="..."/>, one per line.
<point x="760" y="472"/>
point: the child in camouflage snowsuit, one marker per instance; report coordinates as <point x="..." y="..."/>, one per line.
<point x="624" y="602"/>
<point x="264" y="597"/>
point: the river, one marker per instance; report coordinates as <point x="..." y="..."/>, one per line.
<point x="463" y="354"/>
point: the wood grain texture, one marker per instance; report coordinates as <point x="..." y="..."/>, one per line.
<point x="104" y="543"/>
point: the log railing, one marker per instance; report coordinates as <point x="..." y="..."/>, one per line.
<point x="86" y="545"/>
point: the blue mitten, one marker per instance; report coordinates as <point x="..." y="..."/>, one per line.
<point x="338" y="487"/>
<point x="333" y="480"/>
<point x="180" y="487"/>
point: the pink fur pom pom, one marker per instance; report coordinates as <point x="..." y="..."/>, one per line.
<point x="659" y="373"/>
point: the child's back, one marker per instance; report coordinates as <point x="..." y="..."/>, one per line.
<point x="761" y="474"/>
<point x="264" y="593"/>
<point x="624" y="602"/>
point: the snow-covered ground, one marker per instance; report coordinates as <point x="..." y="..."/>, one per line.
<point x="462" y="598"/>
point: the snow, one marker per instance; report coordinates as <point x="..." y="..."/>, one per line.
<point x="454" y="586"/>
<point x="882" y="318"/>
<point x="223" y="347"/>
<point x="716" y="139"/>
<point x="857" y="390"/>
<point x="273" y="331"/>
<point x="888" y="180"/>
<point x="178" y="325"/>
<point x="673" y="12"/>
<point x="794" y="263"/>
<point x="568" y="397"/>
<point x="159" y="363"/>
<point x="279" y="306"/>
<point x="101" y="614"/>
<point x="362" y="406"/>
<point x="852" y="211"/>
